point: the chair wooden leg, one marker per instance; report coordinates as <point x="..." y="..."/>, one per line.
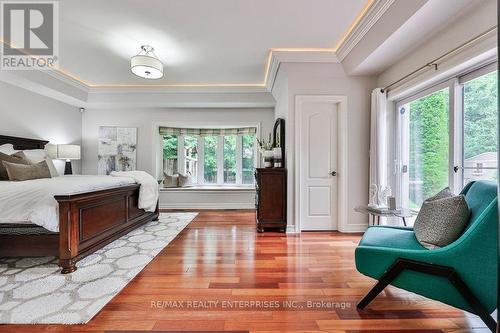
<point x="447" y="272"/>
<point x="384" y="281"/>
<point x="478" y="308"/>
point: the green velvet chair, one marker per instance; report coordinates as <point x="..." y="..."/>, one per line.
<point x="462" y="274"/>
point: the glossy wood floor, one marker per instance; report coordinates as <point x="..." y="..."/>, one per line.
<point x="220" y="258"/>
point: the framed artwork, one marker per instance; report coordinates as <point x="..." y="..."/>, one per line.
<point x="117" y="149"/>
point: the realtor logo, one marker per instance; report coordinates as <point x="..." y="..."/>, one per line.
<point x="30" y="37"/>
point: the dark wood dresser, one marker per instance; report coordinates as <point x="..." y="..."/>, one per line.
<point x="270" y="200"/>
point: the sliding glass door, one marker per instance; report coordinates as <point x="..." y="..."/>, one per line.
<point x="425" y="146"/>
<point x="447" y="136"/>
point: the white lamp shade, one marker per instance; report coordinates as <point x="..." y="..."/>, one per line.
<point x="68" y="152"/>
<point x="146" y="67"/>
<point x="51" y="150"/>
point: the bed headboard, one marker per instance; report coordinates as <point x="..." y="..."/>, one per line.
<point x="23" y="143"/>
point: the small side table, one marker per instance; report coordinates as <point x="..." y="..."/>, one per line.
<point x="402" y="213"/>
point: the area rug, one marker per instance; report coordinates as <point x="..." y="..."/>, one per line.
<point x="32" y="291"/>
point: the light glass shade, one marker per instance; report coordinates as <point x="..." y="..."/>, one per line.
<point x="146" y="64"/>
<point x="68" y="152"/>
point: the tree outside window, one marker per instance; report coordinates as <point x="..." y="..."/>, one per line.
<point x="210" y="160"/>
<point x="170" y="165"/>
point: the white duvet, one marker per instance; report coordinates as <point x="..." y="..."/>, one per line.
<point x="33" y="201"/>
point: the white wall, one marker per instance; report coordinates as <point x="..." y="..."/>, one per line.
<point x="26" y="114"/>
<point x="329" y="79"/>
<point x="145" y="120"/>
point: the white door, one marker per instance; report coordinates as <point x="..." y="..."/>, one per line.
<point x="318" y="165"/>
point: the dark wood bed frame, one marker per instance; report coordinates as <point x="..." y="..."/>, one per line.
<point x="87" y="221"/>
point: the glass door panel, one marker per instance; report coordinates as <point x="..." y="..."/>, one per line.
<point x="480" y="128"/>
<point x="424" y="124"/>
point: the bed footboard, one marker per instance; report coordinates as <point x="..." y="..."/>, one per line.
<point x="88" y="221"/>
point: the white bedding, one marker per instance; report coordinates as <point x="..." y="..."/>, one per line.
<point x="33" y="200"/>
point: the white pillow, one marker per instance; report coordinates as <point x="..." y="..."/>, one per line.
<point x="52" y="167"/>
<point x="35" y="156"/>
<point x="7" y="149"/>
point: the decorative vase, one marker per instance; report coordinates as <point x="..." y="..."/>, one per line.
<point x="268" y="158"/>
<point x="373" y="196"/>
<point x="278" y="159"/>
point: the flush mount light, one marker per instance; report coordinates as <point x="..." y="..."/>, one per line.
<point x="146" y="64"/>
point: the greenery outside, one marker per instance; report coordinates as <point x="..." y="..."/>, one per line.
<point x="429" y="146"/>
<point x="480" y="115"/>
<point x="210" y="160"/>
<point x="248" y="143"/>
<point x="230" y="159"/>
<point x="429" y="134"/>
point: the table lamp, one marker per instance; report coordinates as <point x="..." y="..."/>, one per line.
<point x="68" y="153"/>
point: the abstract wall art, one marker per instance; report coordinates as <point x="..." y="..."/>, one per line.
<point x="117" y="149"/>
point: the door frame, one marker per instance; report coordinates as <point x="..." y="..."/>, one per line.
<point x="342" y="143"/>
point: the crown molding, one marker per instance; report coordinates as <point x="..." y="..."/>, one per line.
<point x="277" y="57"/>
<point x="141" y="90"/>
<point x="367" y="21"/>
<point x="67" y="79"/>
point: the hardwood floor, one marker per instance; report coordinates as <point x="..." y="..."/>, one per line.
<point x="219" y="274"/>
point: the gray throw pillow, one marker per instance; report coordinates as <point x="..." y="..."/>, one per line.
<point x="444" y="193"/>
<point x="441" y="221"/>
<point x="170" y="181"/>
<point x="35" y="156"/>
<point x="27" y="172"/>
<point x="11" y="159"/>
<point x="184" y="180"/>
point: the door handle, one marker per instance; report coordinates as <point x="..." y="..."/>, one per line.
<point x="333" y="173"/>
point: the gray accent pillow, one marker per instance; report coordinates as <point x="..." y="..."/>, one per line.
<point x="184" y="180"/>
<point x="444" y="193"/>
<point x="441" y="221"/>
<point x="11" y="159"/>
<point x="27" y="172"/>
<point x="35" y="156"/>
<point x="170" y="181"/>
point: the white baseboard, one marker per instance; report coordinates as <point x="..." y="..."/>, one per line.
<point x="351" y="228"/>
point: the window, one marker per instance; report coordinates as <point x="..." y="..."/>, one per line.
<point x="210" y="156"/>
<point x="230" y="159"/>
<point x="480" y="144"/>
<point x="425" y="152"/>
<point x="248" y="162"/>
<point x="447" y="136"/>
<point x="210" y="159"/>
<point x="170" y="154"/>
<point x="191" y="157"/>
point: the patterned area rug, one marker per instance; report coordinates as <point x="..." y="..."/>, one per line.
<point x="32" y="291"/>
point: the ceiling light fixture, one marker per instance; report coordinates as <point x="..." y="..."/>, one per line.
<point x="146" y="64"/>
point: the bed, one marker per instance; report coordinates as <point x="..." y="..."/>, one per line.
<point x="87" y="220"/>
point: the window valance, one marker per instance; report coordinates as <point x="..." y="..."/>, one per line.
<point x="206" y="131"/>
